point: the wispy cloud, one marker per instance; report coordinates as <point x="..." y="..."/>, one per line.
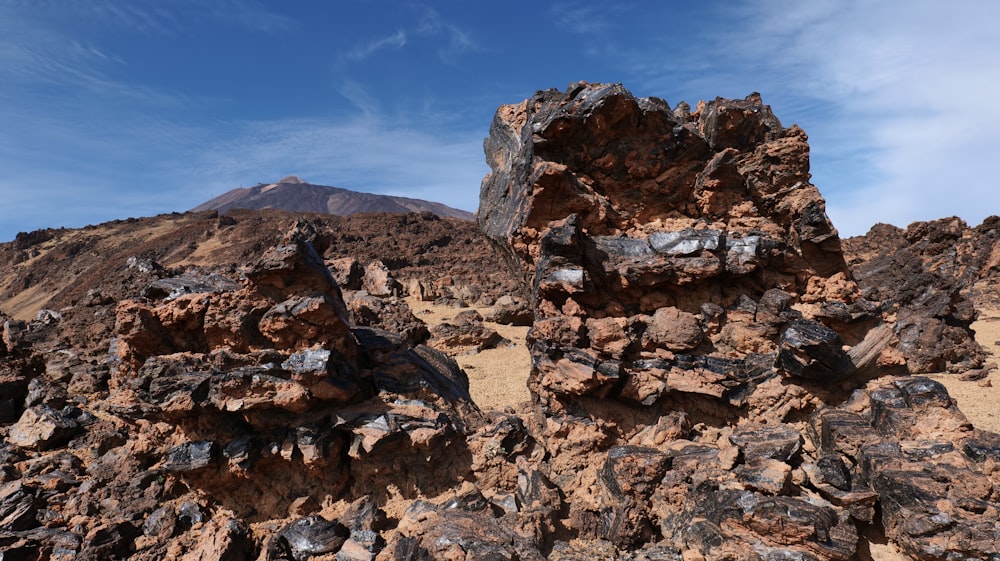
<point x="893" y="98"/>
<point x="178" y="18"/>
<point x="583" y="19"/>
<point x="915" y="85"/>
<point x="426" y="25"/>
<point x="430" y="23"/>
<point x="361" y="52"/>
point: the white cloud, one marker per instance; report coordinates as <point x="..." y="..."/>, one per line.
<point x="898" y="99"/>
<point x="361" y="52"/>
<point x="430" y="23"/>
<point x="583" y="19"/>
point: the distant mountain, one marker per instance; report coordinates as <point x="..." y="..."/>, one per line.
<point x="291" y="193"/>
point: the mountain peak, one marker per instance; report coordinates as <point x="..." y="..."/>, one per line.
<point x="300" y="196"/>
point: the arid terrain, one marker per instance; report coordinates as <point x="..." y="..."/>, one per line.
<point x="652" y="344"/>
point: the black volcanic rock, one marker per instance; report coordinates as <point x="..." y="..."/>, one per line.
<point x="291" y="193"/>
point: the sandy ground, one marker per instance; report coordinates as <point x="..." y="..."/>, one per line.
<point x="497" y="377"/>
<point x="980" y="400"/>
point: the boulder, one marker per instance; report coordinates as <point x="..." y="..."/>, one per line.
<point x="464" y="333"/>
<point x="348" y="273"/>
<point x="389" y="314"/>
<point x="41" y="427"/>
<point x="510" y="310"/>
<point x="379" y="281"/>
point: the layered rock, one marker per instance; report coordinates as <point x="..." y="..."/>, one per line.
<point x="230" y="404"/>
<point x="692" y="308"/>
<point x="667" y="252"/>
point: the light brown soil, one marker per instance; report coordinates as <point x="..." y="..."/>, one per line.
<point x="980" y="400"/>
<point x="498" y="377"/>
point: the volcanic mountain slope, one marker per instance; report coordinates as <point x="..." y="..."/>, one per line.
<point x="55" y="268"/>
<point x="292" y="193"/>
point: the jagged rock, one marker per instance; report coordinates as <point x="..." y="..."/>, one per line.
<point x="15" y="377"/>
<point x="308" y="537"/>
<point x="324" y="373"/>
<point x="629" y="477"/>
<point x="57" y="545"/>
<point x="347" y="272"/>
<point x="389" y="314"/>
<point x="687" y="214"/>
<point x="109" y="541"/>
<point x="363" y="519"/>
<point x="191" y="456"/>
<point x="222" y="539"/>
<point x="18" y="506"/>
<point x="191" y="282"/>
<point x="811" y="350"/>
<point x="304" y="320"/>
<point x="906" y="450"/>
<point x="778" y="443"/>
<point x="40" y="428"/>
<point x="378" y="281"/>
<point x="920" y="273"/>
<point x="510" y="310"/>
<point x="433" y="532"/>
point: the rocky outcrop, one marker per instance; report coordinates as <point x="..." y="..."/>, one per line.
<point x="931" y="275"/>
<point x="667" y="252"/>
<point x="697" y="335"/>
<point x="227" y="407"/>
<point x="709" y="383"/>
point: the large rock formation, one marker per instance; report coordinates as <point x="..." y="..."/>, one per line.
<point x="667" y="251"/>
<point x="698" y="336"/>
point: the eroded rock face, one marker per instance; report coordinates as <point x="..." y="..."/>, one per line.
<point x="709" y="384"/>
<point x="692" y="308"/>
<point x="649" y="238"/>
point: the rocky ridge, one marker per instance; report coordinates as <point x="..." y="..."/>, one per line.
<point x="710" y="379"/>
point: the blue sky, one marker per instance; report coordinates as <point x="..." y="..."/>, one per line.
<point x="119" y="108"/>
